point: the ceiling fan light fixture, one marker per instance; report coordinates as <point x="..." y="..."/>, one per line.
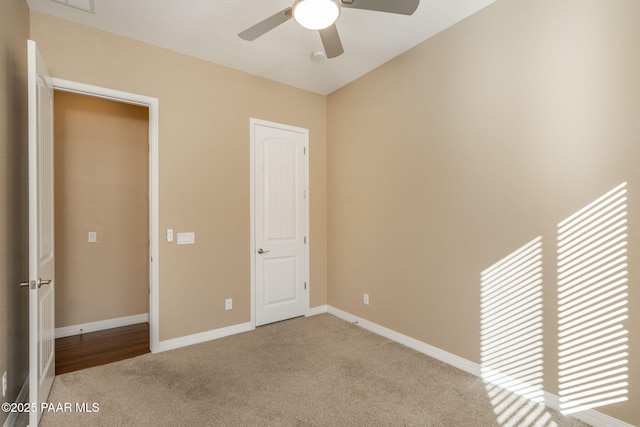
<point x="316" y="14"/>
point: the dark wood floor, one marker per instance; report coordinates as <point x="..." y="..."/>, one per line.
<point x="98" y="348"/>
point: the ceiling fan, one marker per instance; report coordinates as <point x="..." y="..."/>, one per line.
<point x="321" y="15"/>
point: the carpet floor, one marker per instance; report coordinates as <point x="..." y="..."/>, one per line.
<point x="316" y="371"/>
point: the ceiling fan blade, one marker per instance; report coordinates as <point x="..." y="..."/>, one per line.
<point x="267" y="25"/>
<point x="402" y="7"/>
<point x="331" y="41"/>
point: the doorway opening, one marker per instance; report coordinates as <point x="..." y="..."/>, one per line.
<point x="141" y="326"/>
<point x="101" y="228"/>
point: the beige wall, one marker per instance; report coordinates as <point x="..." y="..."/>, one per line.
<point x="101" y="185"/>
<point x="204" y="163"/>
<point x="439" y="163"/>
<point x="14" y="31"/>
<point x="453" y="155"/>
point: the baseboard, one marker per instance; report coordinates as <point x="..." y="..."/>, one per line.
<point x="174" y="343"/>
<point x="590" y="416"/>
<point x="23" y="395"/>
<point x="429" y="350"/>
<point x="314" y="311"/>
<point x="101" y="325"/>
<point x="201" y="337"/>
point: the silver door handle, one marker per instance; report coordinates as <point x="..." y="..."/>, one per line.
<point x="43" y="282"/>
<point x="33" y="283"/>
<point x="262" y="251"/>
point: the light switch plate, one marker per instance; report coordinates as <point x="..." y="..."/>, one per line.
<point x="169" y="235"/>
<point x="187" y="238"/>
<point x="92" y="238"/>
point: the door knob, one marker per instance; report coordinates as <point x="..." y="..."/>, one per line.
<point x="262" y="251"/>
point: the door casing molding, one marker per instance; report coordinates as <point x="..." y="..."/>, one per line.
<point x="154" y="259"/>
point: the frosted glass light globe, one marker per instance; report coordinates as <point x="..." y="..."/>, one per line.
<point x="316" y="14"/>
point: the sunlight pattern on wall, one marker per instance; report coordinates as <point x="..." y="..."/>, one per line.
<point x="511" y="340"/>
<point x="592" y="304"/>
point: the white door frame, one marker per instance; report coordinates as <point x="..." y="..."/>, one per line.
<point x="252" y="182"/>
<point x="154" y="266"/>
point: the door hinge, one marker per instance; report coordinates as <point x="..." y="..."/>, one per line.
<point x="305" y="286"/>
<point x="304" y="150"/>
<point x="305" y="240"/>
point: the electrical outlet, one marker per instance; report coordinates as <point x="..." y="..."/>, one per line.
<point x="4" y="384"/>
<point x="366" y="299"/>
<point x="228" y="304"/>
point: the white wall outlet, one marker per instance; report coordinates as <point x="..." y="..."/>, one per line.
<point x="4" y="384"/>
<point x="92" y="238"/>
<point x="365" y="299"/>
<point x="170" y="235"/>
<point x="228" y="304"/>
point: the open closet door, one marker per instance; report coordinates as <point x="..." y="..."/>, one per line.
<point x="41" y="229"/>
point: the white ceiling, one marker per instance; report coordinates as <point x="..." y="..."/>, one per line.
<point x="208" y="29"/>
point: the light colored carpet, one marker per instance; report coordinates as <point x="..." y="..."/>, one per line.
<point x="316" y="371"/>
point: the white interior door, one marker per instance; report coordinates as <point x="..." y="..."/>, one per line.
<point x="41" y="228"/>
<point x="280" y="164"/>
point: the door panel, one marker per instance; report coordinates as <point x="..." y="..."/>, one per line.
<point x="280" y="277"/>
<point x="41" y="233"/>
<point x="280" y="222"/>
<point x="280" y="219"/>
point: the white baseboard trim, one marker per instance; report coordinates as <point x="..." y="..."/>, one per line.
<point x="436" y="353"/>
<point x="23" y="395"/>
<point x="214" y="334"/>
<point x="314" y="311"/>
<point x="201" y="337"/>
<point x="101" y="325"/>
<point x="590" y="416"/>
